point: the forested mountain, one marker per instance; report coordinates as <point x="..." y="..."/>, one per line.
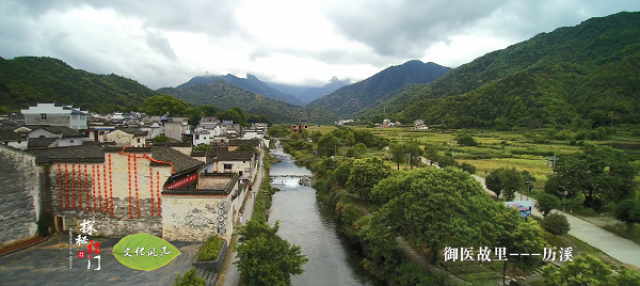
<point x="310" y="93"/>
<point x="28" y="80"/>
<point x="251" y="83"/>
<point x="587" y="75"/>
<point x="382" y="86"/>
<point x="224" y="95"/>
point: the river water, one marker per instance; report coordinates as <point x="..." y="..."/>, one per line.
<point x="307" y="223"/>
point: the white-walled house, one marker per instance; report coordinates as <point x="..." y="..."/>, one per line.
<point x="128" y="137"/>
<point x="56" y="115"/>
<point x="66" y="136"/>
<point x="152" y="130"/>
<point x="202" y="136"/>
<point x="12" y="139"/>
<point x="221" y="160"/>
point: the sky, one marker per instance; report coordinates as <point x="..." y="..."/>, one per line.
<point x="162" y="43"/>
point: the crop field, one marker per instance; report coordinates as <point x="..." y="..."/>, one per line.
<point x="524" y="150"/>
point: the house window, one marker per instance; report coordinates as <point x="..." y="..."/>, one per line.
<point x="19" y="142"/>
<point x="43" y="116"/>
<point x="227" y="167"/>
<point x="138" y="140"/>
<point x="70" y="141"/>
<point x="240" y="173"/>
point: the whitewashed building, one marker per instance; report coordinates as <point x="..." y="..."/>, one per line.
<point x="56" y="115"/>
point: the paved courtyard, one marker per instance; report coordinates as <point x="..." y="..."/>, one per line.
<point x="48" y="264"/>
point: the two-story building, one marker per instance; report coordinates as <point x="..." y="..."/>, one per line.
<point x="56" y="115"/>
<point x="175" y="127"/>
<point x="298" y="128"/>
<point x="208" y="122"/>
<point x="222" y="160"/>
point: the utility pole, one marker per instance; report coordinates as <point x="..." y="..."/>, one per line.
<point x="344" y="151"/>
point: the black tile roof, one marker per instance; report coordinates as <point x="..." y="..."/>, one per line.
<point x="41" y="142"/>
<point x="69" y="154"/>
<point x="95" y="153"/>
<point x="203" y="192"/>
<point x="65" y="131"/>
<point x="243" y="142"/>
<point x="221" y="153"/>
<point x="9" y="135"/>
<point x="134" y="131"/>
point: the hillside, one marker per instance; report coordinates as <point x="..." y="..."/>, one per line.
<point x="383" y="85"/>
<point x="310" y="93"/>
<point x="251" y="83"/>
<point x="586" y="76"/>
<point x="224" y="96"/>
<point x="28" y="80"/>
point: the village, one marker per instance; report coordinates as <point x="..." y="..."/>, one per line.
<point x="69" y="165"/>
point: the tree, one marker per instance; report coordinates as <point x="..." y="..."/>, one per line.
<point x="556" y="224"/>
<point x="232" y="114"/>
<point x="203" y="148"/>
<point x="165" y="105"/>
<point x="628" y="211"/>
<point x="547" y="203"/>
<point x="397" y="154"/>
<point x="437" y="206"/>
<point x="584" y="270"/>
<point x="365" y="174"/>
<point x="468" y="168"/>
<point x="342" y="173"/>
<point x="512" y="182"/>
<point x="328" y="144"/>
<point x="315" y="136"/>
<point x="264" y="258"/>
<point x="527" y="237"/>
<point x="600" y="173"/>
<point x="431" y="152"/>
<point x="494" y="183"/>
<point x="445" y="161"/>
<point x="161" y="138"/>
<point x="465" y="139"/>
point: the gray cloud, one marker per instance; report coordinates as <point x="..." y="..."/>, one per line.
<point x="160" y="44"/>
<point x="391" y="31"/>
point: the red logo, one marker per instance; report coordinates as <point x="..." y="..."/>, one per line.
<point x="81" y="254"/>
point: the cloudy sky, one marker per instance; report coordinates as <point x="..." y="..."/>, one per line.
<point x="166" y="42"/>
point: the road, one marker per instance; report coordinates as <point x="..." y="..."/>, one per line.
<point x="232" y="277"/>
<point x="615" y="246"/>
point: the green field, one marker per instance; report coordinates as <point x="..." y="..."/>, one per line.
<point x="524" y="150"/>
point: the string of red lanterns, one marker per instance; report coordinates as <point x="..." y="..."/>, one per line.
<point x="110" y="186"/>
<point x="60" y="186"/>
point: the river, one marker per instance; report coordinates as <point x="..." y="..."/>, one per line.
<point x="307" y="223"/>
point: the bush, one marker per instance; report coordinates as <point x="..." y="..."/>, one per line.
<point x="161" y="138"/>
<point x="466" y="140"/>
<point x="210" y="249"/>
<point x="572" y="142"/>
<point x="189" y="279"/>
<point x="556" y="224"/>
<point x="468" y="168"/>
<point x="580" y="136"/>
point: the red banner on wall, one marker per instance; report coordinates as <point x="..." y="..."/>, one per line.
<point x="182" y="182"/>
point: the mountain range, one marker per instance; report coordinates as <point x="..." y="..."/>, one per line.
<point x="310" y="93"/>
<point x="224" y="95"/>
<point x="372" y="91"/>
<point x="251" y="83"/>
<point x="584" y="76"/>
<point x="28" y="80"/>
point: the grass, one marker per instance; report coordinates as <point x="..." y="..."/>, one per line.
<point x="322" y="128"/>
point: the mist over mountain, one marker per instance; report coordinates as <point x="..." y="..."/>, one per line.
<point x="310" y="93"/>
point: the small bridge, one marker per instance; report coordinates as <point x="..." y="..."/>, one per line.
<point x="291" y="176"/>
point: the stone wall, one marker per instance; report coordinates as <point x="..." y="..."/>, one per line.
<point x="19" y="190"/>
<point x="115" y="185"/>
